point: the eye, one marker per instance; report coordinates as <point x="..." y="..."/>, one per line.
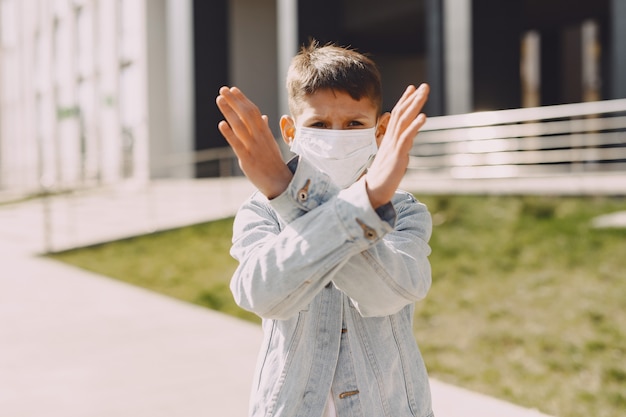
<point x="355" y="123"/>
<point x="318" y="125"/>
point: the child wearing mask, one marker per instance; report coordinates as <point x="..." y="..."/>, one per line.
<point x="331" y="255"/>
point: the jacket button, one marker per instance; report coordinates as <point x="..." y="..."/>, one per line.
<point x="303" y="194"/>
<point x="348" y="394"/>
<point x="368" y="232"/>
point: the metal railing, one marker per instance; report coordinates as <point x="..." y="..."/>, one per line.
<point x="544" y="141"/>
<point x="572" y="149"/>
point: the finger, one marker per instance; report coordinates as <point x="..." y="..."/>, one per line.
<point x="251" y="126"/>
<point x="407" y="92"/>
<point x="417" y="124"/>
<point x="418" y="98"/>
<point x="407" y="122"/>
<point x="245" y="108"/>
<point x="408" y="136"/>
<point x="407" y="108"/>
<point x="417" y="94"/>
<point x="231" y="137"/>
<point x="236" y="98"/>
<point x="403" y="99"/>
<point x="236" y="124"/>
<point x="411" y="108"/>
<point x="421" y="120"/>
<point x="225" y="107"/>
<point x="421" y="94"/>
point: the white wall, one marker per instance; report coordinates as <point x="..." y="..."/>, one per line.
<point x="18" y="144"/>
<point x="65" y="93"/>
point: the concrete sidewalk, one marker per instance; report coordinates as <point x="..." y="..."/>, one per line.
<point x="76" y="344"/>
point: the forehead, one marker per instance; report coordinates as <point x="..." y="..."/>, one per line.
<point x="327" y="102"/>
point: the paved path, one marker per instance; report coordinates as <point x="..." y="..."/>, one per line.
<point x="76" y="344"/>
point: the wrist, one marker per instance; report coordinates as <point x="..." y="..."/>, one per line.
<point x="374" y="196"/>
<point x="278" y="184"/>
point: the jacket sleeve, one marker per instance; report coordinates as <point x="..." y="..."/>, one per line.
<point x="291" y="247"/>
<point x="395" y="271"/>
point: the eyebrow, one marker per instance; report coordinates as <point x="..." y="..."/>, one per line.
<point x="354" y="116"/>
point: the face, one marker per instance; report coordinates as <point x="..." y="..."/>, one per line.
<point x="329" y="109"/>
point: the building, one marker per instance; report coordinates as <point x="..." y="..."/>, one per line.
<point x="101" y="91"/>
<point x="87" y="90"/>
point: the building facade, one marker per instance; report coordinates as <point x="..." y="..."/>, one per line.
<point x="86" y="92"/>
<point x="101" y="91"/>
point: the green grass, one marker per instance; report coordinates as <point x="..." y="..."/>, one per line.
<point x="528" y="302"/>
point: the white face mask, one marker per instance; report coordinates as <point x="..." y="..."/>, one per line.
<point x="342" y="154"/>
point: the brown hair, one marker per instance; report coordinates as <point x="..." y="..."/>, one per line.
<point x="332" y="67"/>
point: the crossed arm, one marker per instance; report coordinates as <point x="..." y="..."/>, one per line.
<point x="396" y="270"/>
<point x="248" y="133"/>
<point x="282" y="267"/>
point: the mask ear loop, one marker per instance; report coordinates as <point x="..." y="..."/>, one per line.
<point x="363" y="170"/>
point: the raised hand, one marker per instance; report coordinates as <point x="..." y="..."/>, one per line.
<point x="247" y="131"/>
<point x="392" y="159"/>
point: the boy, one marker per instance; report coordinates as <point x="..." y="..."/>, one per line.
<point x="331" y="256"/>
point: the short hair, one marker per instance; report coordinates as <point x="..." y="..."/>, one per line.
<point x="336" y="68"/>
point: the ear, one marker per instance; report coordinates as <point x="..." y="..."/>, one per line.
<point x="381" y="127"/>
<point x="287" y="128"/>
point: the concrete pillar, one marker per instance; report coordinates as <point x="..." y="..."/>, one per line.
<point x="618" y="48"/>
<point x="253" y="54"/>
<point x="170" y="87"/>
<point x="181" y="83"/>
<point x="287" y="19"/>
<point x="457" y="60"/>
<point x="157" y="86"/>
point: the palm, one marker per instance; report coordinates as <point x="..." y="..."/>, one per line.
<point x="248" y="133"/>
<point x="392" y="159"/>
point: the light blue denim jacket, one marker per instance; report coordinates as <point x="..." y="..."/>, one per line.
<point x="335" y="282"/>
